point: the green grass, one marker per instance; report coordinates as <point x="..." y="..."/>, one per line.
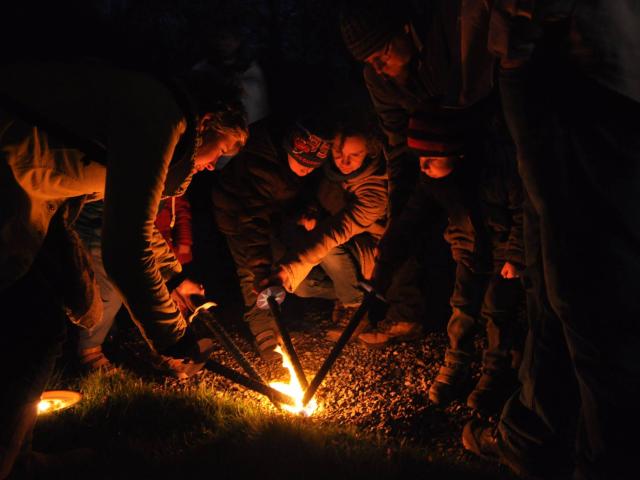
<point x="149" y="430"/>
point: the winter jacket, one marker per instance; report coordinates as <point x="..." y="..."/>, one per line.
<point x="256" y="191"/>
<point x="137" y="123"/>
<point x="482" y="199"/>
<point x="174" y="224"/>
<point x="353" y="205"/>
<point x="601" y="37"/>
<point x="453" y="69"/>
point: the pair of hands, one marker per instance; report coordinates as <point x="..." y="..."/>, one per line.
<point x="308" y="223"/>
<point x="278" y="276"/>
<point x="509" y="270"/>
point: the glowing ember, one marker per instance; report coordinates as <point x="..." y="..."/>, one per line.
<point x="55" y="400"/>
<point x="293" y="389"/>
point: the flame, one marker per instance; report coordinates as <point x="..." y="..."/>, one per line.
<point x="293" y="389"/>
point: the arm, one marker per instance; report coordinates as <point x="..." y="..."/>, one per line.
<point x="368" y="206"/>
<point x="402" y="168"/>
<point x="399" y="239"/>
<point x="141" y="144"/>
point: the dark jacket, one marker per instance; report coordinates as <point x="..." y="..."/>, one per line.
<point x="482" y="199"/>
<point x="138" y="122"/>
<point x="453" y="69"/>
<point x="256" y="191"/>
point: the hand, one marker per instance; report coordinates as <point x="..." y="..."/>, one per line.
<point x="280" y="276"/>
<point x="184" y="249"/>
<point x="189" y="287"/>
<point x="509" y="270"/>
<point x="307" y="222"/>
<point x="183" y="254"/>
<point x="260" y="284"/>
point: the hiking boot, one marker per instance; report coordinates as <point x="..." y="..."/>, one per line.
<point x="390" y="331"/>
<point x="343" y="319"/>
<point x="266" y="343"/>
<point x="481" y="438"/>
<point x="484" y="440"/>
<point x="451" y="377"/>
<point x="94" y="360"/>
<point x="493" y="390"/>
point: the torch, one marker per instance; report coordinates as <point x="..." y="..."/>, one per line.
<point x="370" y="297"/>
<point x="271" y="298"/>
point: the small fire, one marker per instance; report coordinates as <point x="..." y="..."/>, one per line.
<point x="293" y="389"/>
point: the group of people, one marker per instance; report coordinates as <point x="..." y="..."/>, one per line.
<point x="506" y="124"/>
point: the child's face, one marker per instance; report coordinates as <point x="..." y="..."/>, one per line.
<point x="298" y="168"/>
<point x="349" y="153"/>
<point x="437" y="167"/>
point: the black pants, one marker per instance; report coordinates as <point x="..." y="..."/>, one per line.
<point x="485" y="300"/>
<point x="579" y="158"/>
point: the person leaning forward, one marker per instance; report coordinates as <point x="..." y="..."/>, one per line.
<point x="70" y="132"/>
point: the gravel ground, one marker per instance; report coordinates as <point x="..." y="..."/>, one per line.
<point x="378" y="391"/>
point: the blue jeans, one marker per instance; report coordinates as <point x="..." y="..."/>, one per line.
<point x="89" y="227"/>
<point x="343" y="272"/>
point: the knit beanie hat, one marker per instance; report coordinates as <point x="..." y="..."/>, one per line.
<point x="368" y="25"/>
<point x="306" y="148"/>
<point x="435" y="137"/>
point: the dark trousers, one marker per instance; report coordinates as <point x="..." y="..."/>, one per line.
<point x="31" y="341"/>
<point x="579" y="158"/>
<point x="485" y="300"/>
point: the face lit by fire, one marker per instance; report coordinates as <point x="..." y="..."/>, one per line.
<point x="349" y="153"/>
<point x="214" y="146"/>
<point x="392" y="60"/>
<point x="297" y="168"/>
<point x="438" y="167"/>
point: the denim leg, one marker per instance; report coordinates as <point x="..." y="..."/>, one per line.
<point x="341" y="267"/>
<point x="316" y="285"/>
<point x="89" y="228"/>
<point x="111" y="304"/>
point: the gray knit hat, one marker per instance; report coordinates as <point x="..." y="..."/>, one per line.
<point x="368" y="25"/>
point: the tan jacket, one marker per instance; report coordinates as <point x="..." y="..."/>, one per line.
<point x="138" y="121"/>
<point x="357" y="213"/>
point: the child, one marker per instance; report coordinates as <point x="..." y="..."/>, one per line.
<point x="477" y="184"/>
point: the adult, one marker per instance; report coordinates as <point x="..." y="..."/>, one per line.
<point x="70" y="132"/>
<point x="570" y="83"/>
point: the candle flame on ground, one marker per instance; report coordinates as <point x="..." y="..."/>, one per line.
<point x="293" y="389"/>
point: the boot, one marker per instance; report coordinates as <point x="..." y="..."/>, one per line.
<point x="341" y="317"/>
<point x="451" y="377"/>
<point x="391" y="331"/>
<point x="94" y="360"/>
<point x="496" y="384"/>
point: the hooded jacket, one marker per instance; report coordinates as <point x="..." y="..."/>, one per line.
<point x="354" y="208"/>
<point x="136" y="122"/>
<point x="255" y="192"/>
